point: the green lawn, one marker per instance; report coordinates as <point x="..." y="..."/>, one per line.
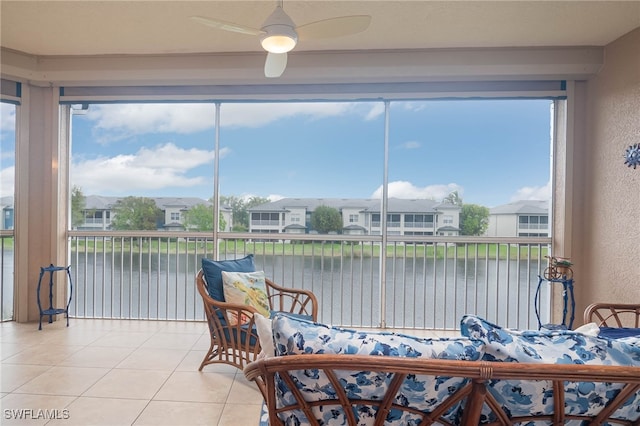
<point x="172" y="245"/>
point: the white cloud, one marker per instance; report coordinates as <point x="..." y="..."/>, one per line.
<point x="411" y="105"/>
<point x="7" y="181"/>
<point x="407" y="190"/>
<point x="257" y="114"/>
<point x="161" y="167"/>
<point x="377" y="109"/>
<point x="131" y="119"/>
<point x="533" y="193"/>
<point x="123" y="120"/>
<point x="411" y="145"/>
<point x="7" y="155"/>
<point x="7" y="117"/>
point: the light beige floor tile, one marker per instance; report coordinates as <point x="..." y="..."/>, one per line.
<point x="153" y="359"/>
<point x="20" y="341"/>
<point x="218" y="368"/>
<point x="97" y="356"/>
<point x="240" y="414"/>
<point x="203" y="343"/>
<point x="184" y="326"/>
<point x="43" y="355"/>
<point x="25" y="409"/>
<point x="134" y="384"/>
<point x="8" y="350"/>
<point x="71" y="336"/>
<point x="191" y="362"/>
<point x="172" y="341"/>
<point x="139" y="326"/>
<point x="98" y="325"/>
<point x="16" y="375"/>
<point x="127" y="339"/>
<point x="171" y="413"/>
<point x="196" y="387"/>
<point x="63" y="381"/>
<point x="86" y="411"/>
<point x="24" y="333"/>
<point x="244" y="391"/>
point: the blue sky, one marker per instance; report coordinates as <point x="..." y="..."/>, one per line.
<point x="491" y="152"/>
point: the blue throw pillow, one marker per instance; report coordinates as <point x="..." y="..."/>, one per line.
<point x="213" y="273"/>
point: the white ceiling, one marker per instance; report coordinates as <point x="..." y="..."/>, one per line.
<point x="91" y="27"/>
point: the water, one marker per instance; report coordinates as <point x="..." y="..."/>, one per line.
<point x="419" y="293"/>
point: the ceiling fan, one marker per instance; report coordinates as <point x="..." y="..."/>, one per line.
<point x="279" y="34"/>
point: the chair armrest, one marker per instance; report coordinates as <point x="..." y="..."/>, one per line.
<point x="292" y="300"/>
<point x="613" y="314"/>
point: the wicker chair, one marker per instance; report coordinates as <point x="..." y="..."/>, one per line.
<point x="238" y="344"/>
<point x="613" y="314"/>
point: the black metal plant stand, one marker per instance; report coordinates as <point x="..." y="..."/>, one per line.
<point x="567" y="299"/>
<point x="51" y="311"/>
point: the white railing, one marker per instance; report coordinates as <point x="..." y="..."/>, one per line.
<point x="430" y="282"/>
<point x="533" y="226"/>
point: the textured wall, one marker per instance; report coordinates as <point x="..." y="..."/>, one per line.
<point x="607" y="220"/>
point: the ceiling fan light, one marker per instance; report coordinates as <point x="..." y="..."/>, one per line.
<point x="279" y="39"/>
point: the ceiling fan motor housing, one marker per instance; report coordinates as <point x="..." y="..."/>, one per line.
<point x="279" y="35"/>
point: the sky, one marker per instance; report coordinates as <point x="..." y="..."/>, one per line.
<point x="491" y="151"/>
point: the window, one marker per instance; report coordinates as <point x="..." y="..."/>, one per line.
<point x="375" y="221"/>
<point x="533" y="222"/>
<point x="132" y="152"/>
<point x="418" y="221"/>
<point x="7" y="162"/>
<point x="438" y="148"/>
<point x="121" y="150"/>
<point x="393" y="220"/>
<point x="7" y="202"/>
<point x="297" y="151"/>
<point x="265" y="218"/>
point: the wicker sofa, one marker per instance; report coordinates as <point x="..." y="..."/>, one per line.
<point x="322" y="375"/>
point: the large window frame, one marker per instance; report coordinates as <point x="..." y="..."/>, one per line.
<point x="556" y="90"/>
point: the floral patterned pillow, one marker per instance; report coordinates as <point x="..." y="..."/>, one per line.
<point x="558" y="347"/>
<point x="245" y="288"/>
<point x="294" y="336"/>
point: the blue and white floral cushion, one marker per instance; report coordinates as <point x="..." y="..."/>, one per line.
<point x="293" y="336"/>
<point x="558" y="347"/>
<point x="631" y="341"/>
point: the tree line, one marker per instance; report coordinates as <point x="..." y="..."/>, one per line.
<point x="141" y="213"/>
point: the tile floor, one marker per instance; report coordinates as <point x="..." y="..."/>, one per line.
<point x="118" y="372"/>
<point x="111" y="372"/>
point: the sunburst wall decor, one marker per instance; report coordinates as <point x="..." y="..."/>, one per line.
<point x="632" y="155"/>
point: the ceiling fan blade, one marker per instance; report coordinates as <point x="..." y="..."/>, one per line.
<point x="334" y="27"/>
<point x="227" y="26"/>
<point x="275" y="64"/>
